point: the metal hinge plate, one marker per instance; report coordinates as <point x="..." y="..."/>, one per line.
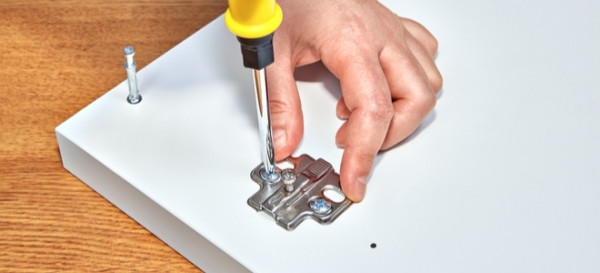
<point x="307" y="196"/>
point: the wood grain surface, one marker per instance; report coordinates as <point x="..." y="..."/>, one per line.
<point x="55" y="58"/>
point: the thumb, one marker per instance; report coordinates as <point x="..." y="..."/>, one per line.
<point x="286" y="112"/>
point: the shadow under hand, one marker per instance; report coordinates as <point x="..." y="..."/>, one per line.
<point x="317" y="72"/>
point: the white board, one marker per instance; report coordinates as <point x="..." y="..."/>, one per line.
<point x="503" y="176"/>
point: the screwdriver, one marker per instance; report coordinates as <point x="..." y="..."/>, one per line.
<point x="254" y="22"/>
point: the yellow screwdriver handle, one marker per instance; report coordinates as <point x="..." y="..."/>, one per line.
<point x="253" y="19"/>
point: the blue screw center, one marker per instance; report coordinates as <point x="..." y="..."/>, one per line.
<point x="320" y="206"/>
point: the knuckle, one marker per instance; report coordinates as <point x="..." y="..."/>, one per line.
<point x="366" y="157"/>
<point x="426" y="101"/>
<point x="436" y="80"/>
<point x="380" y="109"/>
<point x="283" y="111"/>
<point x="278" y="106"/>
<point x="433" y="44"/>
<point x="360" y="155"/>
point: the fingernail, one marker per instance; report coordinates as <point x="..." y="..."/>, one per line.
<point x="279" y="138"/>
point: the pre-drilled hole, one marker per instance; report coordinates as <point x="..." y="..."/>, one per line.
<point x="373" y="245"/>
<point x="334" y="194"/>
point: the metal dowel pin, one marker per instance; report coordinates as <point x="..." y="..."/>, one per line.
<point x="130" y="66"/>
<point x="289" y="178"/>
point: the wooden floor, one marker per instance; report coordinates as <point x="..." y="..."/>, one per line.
<point x="55" y="58"/>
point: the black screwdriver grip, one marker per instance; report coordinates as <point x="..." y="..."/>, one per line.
<point x="257" y="53"/>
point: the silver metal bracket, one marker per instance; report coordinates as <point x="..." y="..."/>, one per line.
<point x="306" y="192"/>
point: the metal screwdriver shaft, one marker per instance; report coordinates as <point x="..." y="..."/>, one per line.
<point x="130" y="65"/>
<point x="254" y="22"/>
<point x="264" y="125"/>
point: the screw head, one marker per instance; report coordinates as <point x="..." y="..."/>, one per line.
<point x="128" y="50"/>
<point x="133" y="99"/>
<point x="129" y="62"/>
<point x="272" y="177"/>
<point x="320" y="206"/>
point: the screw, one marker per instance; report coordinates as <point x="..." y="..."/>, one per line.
<point x="130" y="65"/>
<point x="289" y="178"/>
<point x="269" y="177"/>
<point x="320" y="206"/>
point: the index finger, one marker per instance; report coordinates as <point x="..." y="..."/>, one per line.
<point x="367" y="96"/>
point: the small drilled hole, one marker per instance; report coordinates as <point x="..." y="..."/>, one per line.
<point x="334" y="194"/>
<point x="373" y="245"/>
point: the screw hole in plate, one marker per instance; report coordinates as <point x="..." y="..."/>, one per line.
<point x="373" y="245"/>
<point x="334" y="194"/>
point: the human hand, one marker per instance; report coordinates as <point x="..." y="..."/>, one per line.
<point x="386" y="70"/>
